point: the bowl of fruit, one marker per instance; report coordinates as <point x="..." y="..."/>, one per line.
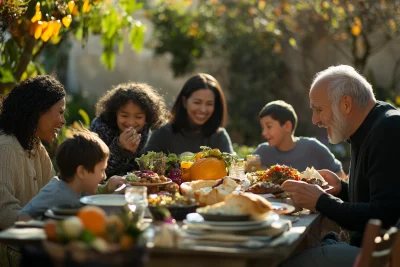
<point x="93" y="238"/>
<point x="177" y="205"/>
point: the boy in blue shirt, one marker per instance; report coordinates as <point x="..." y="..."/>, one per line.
<point x="82" y="161"/>
<point x="278" y="123"/>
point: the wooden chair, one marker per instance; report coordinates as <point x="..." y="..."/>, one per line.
<point x="379" y="248"/>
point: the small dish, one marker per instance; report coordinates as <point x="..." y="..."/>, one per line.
<point x="66" y="209"/>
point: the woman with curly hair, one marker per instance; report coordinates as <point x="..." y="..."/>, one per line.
<point x="125" y="116"/>
<point x="197" y="119"/>
<point x="31" y="112"/>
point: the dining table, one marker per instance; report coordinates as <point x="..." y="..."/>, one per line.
<point x="304" y="232"/>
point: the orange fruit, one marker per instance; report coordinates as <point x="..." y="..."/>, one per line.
<point x="50" y="228"/>
<point x="94" y="219"/>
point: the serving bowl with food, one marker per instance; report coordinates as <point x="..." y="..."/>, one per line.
<point x="178" y="206"/>
<point x="149" y="179"/>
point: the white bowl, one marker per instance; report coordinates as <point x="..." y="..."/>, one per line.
<point x="110" y="203"/>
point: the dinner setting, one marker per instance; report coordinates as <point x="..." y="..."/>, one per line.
<point x="167" y="204"/>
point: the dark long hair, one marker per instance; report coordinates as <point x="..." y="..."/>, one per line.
<point x="141" y="94"/>
<point x="179" y="115"/>
<point x="22" y="107"/>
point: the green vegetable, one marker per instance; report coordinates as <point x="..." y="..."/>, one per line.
<point x="131" y="177"/>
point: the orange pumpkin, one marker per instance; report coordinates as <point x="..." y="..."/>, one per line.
<point x="208" y="169"/>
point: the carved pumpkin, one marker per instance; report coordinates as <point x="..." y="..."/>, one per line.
<point x="208" y="169"/>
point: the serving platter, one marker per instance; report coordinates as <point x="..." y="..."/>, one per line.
<point x="149" y="184"/>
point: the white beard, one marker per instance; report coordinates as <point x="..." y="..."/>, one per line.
<point x="339" y="127"/>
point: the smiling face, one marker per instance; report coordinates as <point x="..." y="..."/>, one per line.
<point x="325" y="115"/>
<point x="200" y="106"/>
<point x="131" y="115"/>
<point x="51" y="122"/>
<point x="90" y="180"/>
<point x="274" y="132"/>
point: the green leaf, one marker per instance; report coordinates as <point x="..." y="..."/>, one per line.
<point x="130" y="5"/>
<point x="108" y="59"/>
<point x="79" y="34"/>
<point x="136" y="37"/>
<point x="85" y="117"/>
<point x="6" y="75"/>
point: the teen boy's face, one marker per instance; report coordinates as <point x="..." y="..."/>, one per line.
<point x="273" y="131"/>
<point x="92" y="179"/>
<point x="131" y="115"/>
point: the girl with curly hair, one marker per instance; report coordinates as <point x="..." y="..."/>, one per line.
<point x="31" y="112"/>
<point x="197" y="119"/>
<point x="125" y="116"/>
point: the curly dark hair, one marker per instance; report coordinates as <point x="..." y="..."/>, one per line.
<point x="142" y="95"/>
<point x="22" y="107"/>
<point x="179" y="115"/>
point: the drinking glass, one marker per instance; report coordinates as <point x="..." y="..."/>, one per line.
<point x="237" y="168"/>
<point x="253" y="163"/>
<point x="136" y="197"/>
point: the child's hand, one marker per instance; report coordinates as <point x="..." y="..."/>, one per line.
<point x="114" y="182"/>
<point x="129" y="139"/>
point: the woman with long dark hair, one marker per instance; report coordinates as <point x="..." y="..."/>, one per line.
<point x="31" y="112"/>
<point x="197" y="119"/>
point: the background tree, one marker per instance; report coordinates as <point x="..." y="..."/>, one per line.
<point x="248" y="45"/>
<point x="233" y="47"/>
<point x="33" y="26"/>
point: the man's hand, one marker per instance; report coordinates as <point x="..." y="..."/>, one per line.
<point x="332" y="180"/>
<point x="114" y="182"/>
<point x="303" y="194"/>
<point x="129" y="139"/>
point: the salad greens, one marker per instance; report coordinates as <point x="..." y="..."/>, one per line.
<point x="147" y="161"/>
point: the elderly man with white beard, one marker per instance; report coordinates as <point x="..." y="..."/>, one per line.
<point x="343" y="102"/>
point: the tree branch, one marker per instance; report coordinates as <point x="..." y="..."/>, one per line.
<point x="25" y="57"/>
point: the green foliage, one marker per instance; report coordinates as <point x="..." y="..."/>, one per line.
<point x="243" y="151"/>
<point x="40" y="24"/>
<point x="247" y="39"/>
<point x="224" y="31"/>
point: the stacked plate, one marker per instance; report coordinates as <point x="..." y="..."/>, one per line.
<point x="223" y="223"/>
<point x="62" y="212"/>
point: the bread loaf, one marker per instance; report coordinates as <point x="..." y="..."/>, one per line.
<point x="240" y="204"/>
<point x="188" y="188"/>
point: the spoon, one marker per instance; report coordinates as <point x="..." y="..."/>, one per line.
<point x="120" y="188"/>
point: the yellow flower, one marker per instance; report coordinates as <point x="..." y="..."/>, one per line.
<point x="86" y="6"/>
<point x="37" y="7"/>
<point x="36" y="17"/>
<point x="67" y="20"/>
<point x="71" y="5"/>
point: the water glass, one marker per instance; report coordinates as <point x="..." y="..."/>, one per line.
<point x="237" y="168"/>
<point x="136" y="197"/>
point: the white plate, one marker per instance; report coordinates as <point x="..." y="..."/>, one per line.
<point x="282" y="208"/>
<point x="104" y="200"/>
<point x="195" y="222"/>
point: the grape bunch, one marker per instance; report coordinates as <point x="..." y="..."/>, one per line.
<point x="176" y="174"/>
